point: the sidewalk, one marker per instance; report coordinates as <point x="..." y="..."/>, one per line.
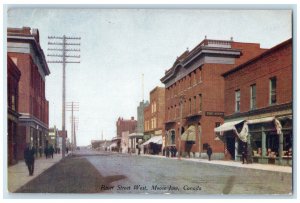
<point x="17" y="175"/>
<point x="266" y="167"/>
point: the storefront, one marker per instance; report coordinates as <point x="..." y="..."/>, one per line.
<point x="153" y="145"/>
<point x="269" y="140"/>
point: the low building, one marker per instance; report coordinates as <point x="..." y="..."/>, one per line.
<point x="258" y="107"/>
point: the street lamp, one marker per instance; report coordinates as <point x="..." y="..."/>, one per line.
<point x="181" y="99"/>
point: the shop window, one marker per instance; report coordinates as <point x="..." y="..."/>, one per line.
<point x="272" y="144"/>
<point x="253" y="97"/>
<point x="237" y="100"/>
<point x="273" y="86"/>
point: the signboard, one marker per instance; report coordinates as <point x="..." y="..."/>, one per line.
<point x="214" y="113"/>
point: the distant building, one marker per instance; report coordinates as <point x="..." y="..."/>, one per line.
<point x="258" y="98"/>
<point x="125" y="125"/>
<point x="140" y="116"/>
<point x="23" y="47"/>
<point x="13" y="137"/>
<point x="195" y="94"/>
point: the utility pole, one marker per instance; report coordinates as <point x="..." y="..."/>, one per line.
<point x="62" y="53"/>
<point x="72" y="106"/>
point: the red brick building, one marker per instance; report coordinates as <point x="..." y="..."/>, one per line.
<point x="154" y="117"/>
<point x="154" y="113"/>
<point x="124" y="125"/>
<point x="195" y="93"/>
<point x="258" y="95"/>
<point x="24" y="49"/>
<point x="13" y="77"/>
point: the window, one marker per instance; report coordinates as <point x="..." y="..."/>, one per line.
<point x="190" y="78"/>
<point x="200" y="102"/>
<point x="253" y="97"/>
<point x="200" y="74"/>
<point x="273" y="90"/>
<point x="175" y="112"/>
<point x="194" y="78"/>
<point x="237" y="100"/>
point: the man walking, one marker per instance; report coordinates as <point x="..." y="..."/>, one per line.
<point x="29" y="158"/>
<point x="244" y="153"/>
<point x="209" y="152"/>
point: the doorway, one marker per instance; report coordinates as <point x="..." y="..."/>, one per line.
<point x="230" y="145"/>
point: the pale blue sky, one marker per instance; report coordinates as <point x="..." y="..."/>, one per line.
<point x="117" y="46"/>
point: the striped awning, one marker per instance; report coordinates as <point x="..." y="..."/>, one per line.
<point x="227" y="126"/>
<point x="189" y="134"/>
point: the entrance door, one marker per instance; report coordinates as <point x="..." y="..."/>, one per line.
<point x="230" y="145"/>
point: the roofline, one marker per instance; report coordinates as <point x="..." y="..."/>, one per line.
<point x="31" y="39"/>
<point x="268" y="51"/>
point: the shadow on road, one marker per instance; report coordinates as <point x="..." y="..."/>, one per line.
<point x="73" y="174"/>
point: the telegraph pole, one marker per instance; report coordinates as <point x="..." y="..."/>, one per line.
<point x="72" y="106"/>
<point x="62" y="53"/>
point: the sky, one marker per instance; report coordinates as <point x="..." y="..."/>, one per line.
<point x="119" y="45"/>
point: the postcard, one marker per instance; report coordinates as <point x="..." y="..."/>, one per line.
<point x="146" y="101"/>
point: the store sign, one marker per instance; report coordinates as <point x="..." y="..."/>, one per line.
<point x="214" y="113"/>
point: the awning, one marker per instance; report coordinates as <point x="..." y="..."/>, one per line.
<point x="261" y="120"/>
<point x="189" y="134"/>
<point x="113" y="145"/>
<point x="155" y="139"/>
<point x="135" y="135"/>
<point x="227" y="126"/>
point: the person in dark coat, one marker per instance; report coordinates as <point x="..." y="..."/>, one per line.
<point x="209" y="152"/>
<point x="29" y="158"/>
<point x="244" y="153"/>
<point x="51" y="151"/>
<point x="46" y="151"/>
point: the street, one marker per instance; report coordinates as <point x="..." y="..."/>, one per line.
<point x="103" y="172"/>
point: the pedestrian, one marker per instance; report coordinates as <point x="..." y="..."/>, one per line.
<point x="51" y="151"/>
<point x="244" y="153"/>
<point x="67" y="149"/>
<point x="209" y="152"/>
<point x="46" y="151"/>
<point x="29" y="158"/>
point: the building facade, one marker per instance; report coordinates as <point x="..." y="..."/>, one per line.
<point x="154" y="113"/>
<point x="13" y="138"/>
<point x="140" y="116"/>
<point x="258" y="97"/>
<point x="24" y="49"/>
<point x="124" y="125"/>
<point x="195" y="94"/>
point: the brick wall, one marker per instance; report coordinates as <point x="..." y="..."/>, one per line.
<point x="277" y="63"/>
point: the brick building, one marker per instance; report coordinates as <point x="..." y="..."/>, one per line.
<point x="195" y="93"/>
<point x="154" y="117"/>
<point x="258" y="98"/>
<point x="24" y="49"/>
<point x="13" y="77"/>
<point x="154" y="113"/>
<point x="124" y="125"/>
